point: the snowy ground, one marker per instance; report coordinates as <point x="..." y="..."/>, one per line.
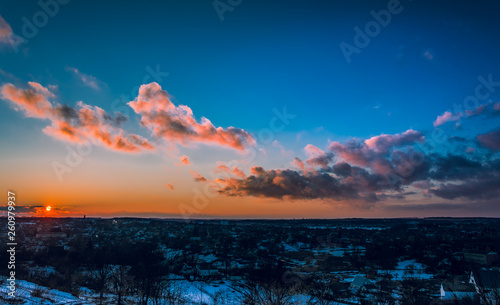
<point x="402" y="267"/>
<point x="25" y="291"/>
<point x="194" y="292"/>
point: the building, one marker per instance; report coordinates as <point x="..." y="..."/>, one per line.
<point x="358" y="283"/>
<point x="486" y="283"/>
<point x="457" y="291"/>
<point x="480" y="258"/>
<point x="206" y="270"/>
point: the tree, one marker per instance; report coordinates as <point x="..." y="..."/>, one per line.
<point x="414" y="292"/>
<point x="120" y="280"/>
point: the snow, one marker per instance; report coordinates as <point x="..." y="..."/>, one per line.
<point x="25" y="289"/>
<point x="402" y="268"/>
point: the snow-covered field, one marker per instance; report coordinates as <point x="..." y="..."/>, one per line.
<point x="194" y="292"/>
<point x="33" y="294"/>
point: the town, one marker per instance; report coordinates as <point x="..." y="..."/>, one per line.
<point x="173" y="261"/>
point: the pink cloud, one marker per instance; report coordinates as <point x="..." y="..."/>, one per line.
<point x="374" y="151"/>
<point x="5" y="31"/>
<point x="235" y="171"/>
<point x="74" y="124"/>
<point x="316" y="158"/>
<point x="177" y="123"/>
<point x="383" y="143"/>
<point x="197" y="177"/>
<point x="184" y="160"/>
<point x="478" y="110"/>
<point x="446" y="117"/>
<point x="32" y="101"/>
<point x="170" y="186"/>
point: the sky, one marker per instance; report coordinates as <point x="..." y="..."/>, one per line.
<point x="250" y="109"/>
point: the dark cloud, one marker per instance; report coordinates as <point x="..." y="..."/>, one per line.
<point x="290" y="184"/>
<point x="490" y="140"/>
<point x="339" y="182"/>
<point x="472" y="189"/>
<point x="453" y="167"/>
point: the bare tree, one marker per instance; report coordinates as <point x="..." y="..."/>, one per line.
<point x="265" y="293"/>
<point x="120" y="280"/>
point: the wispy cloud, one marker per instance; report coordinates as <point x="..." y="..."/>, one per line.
<point x="446" y="117"/>
<point x="86" y="79"/>
<point x="5" y="31"/>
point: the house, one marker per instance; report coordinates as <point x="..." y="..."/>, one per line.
<point x="358" y="283"/>
<point x="206" y="270"/>
<point x="457" y="290"/>
<point x="486" y="282"/>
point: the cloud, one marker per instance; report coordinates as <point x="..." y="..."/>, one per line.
<point x="476" y="111"/>
<point x="197" y="177"/>
<point x="235" y="171"/>
<point x="472" y="189"/>
<point x="460" y="177"/>
<point x="184" y="160"/>
<point x="23" y="208"/>
<point x="170" y="186"/>
<point x="360" y="174"/>
<point x="86" y="79"/>
<point x="447" y="177"/>
<point x="292" y="184"/>
<point x="177" y="123"/>
<point x="383" y="143"/>
<point x="74" y="124"/>
<point x="446" y="117"/>
<point x="317" y="157"/>
<point x="32" y="101"/>
<point x="374" y="152"/>
<point x="490" y="140"/>
<point x="5" y="31"/>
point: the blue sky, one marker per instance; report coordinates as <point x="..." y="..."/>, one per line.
<point x="261" y="56"/>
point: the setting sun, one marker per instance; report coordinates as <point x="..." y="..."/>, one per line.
<point x="48" y="208"/>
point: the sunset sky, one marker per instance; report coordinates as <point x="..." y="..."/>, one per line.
<point x="250" y="109"/>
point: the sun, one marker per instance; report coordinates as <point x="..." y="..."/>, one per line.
<point x="48" y="208"/>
